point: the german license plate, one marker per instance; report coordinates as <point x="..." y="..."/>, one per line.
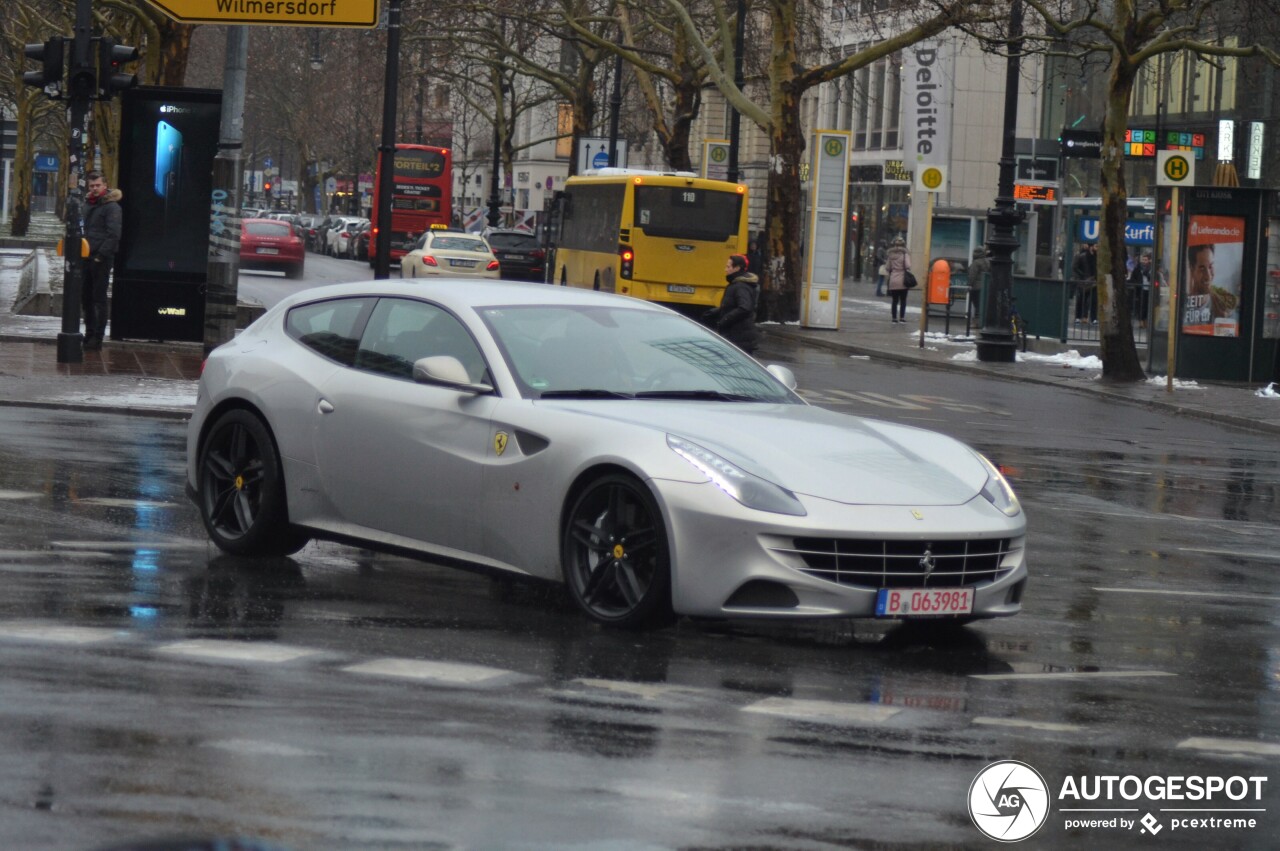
<point x="463" y="263"/>
<point x="681" y="288"/>
<point x="268" y="250"/>
<point x="901" y="602"/>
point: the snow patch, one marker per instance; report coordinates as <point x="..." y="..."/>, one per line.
<point x="1178" y="383"/>
<point x="1268" y="392"/>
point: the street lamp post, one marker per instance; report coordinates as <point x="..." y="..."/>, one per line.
<point x="995" y="341"/>
<point x="387" y="150"/>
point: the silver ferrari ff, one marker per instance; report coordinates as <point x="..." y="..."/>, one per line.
<point x="590" y="439"/>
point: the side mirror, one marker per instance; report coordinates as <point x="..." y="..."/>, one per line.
<point x="783" y="374"/>
<point x="448" y="371"/>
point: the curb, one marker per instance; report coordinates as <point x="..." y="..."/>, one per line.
<point x="83" y="408"/>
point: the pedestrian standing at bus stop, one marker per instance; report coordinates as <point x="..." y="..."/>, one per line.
<point x="735" y="318"/>
<point x="102" y="225"/>
<point x="897" y="263"/>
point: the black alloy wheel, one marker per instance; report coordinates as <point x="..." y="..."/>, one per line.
<point x="241" y="489"/>
<point x="615" y="555"/>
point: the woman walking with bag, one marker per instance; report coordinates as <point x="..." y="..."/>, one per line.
<point x="898" y="262"/>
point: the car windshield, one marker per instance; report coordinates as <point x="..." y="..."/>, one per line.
<point x="267" y="229"/>
<point x="458" y="243"/>
<point x="512" y="241"/>
<point x="568" y="351"/>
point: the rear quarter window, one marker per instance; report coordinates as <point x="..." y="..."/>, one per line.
<point x="330" y="328"/>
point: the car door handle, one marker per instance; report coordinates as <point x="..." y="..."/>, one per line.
<point x="325" y="406"/>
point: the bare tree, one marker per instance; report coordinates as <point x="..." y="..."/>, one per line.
<point x="1126" y="34"/>
<point x="789" y="71"/>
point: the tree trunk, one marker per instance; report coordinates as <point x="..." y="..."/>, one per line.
<point x="675" y="146"/>
<point x="175" y="48"/>
<point x="1119" y="354"/>
<point x="783" y="270"/>
<point x="23" y="160"/>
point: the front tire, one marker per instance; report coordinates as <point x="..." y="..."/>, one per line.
<point x="615" y="556"/>
<point x="241" y="489"/>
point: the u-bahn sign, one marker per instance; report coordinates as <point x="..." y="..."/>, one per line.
<point x="298" y="13"/>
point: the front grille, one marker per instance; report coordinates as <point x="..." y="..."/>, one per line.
<point x="871" y="563"/>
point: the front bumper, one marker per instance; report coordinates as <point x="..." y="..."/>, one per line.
<point x="731" y="561"/>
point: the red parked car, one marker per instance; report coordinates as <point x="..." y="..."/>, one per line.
<point x="271" y="244"/>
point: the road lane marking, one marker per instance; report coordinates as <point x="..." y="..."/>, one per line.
<point x="1257" y="556"/>
<point x="55" y="634"/>
<point x="8" y="494"/>
<point x="236" y="651"/>
<point x="1045" y="726"/>
<point x="823" y="711"/>
<point x="647" y="691"/>
<point x="111" y="502"/>
<point x="1217" y="594"/>
<point x="255" y="747"/>
<point x="1231" y="746"/>
<point x="1074" y="675"/>
<point x="126" y="546"/>
<point x="444" y="673"/>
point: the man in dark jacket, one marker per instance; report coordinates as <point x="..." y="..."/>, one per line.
<point x="102" y="222"/>
<point x="735" y="318"/>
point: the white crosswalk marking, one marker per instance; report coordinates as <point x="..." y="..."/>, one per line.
<point x="445" y="673"/>
<point x="1231" y="746"/>
<point x="1073" y="675"/>
<point x="55" y="634"/>
<point x="1023" y="723"/>
<point x="822" y="711"/>
<point x="236" y="651"/>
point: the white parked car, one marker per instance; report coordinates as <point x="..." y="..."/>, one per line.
<point x="336" y="237"/>
<point x="591" y="439"/>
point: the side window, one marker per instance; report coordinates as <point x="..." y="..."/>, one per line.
<point x="402" y="331"/>
<point x="329" y="327"/>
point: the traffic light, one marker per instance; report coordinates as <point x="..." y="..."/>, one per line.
<point x="266" y="186"/>
<point x="50" y="57"/>
<point x="110" y="57"/>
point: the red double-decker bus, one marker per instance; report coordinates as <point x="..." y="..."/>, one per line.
<point x="421" y="195"/>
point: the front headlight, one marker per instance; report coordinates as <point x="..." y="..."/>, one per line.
<point x="997" y="490"/>
<point x="750" y="490"/>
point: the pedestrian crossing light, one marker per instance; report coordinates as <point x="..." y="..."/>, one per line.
<point x="50" y="57"/>
<point x="111" y="56"/>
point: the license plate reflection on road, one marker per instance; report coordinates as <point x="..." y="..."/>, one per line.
<point x="897" y="602"/>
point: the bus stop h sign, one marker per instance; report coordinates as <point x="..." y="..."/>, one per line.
<point x="298" y="13"/>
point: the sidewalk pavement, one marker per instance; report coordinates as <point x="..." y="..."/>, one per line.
<point x="159" y="379"/>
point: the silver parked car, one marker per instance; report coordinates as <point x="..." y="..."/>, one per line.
<point x="590" y="439"/>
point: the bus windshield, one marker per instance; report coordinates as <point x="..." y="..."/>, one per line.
<point x="682" y="212"/>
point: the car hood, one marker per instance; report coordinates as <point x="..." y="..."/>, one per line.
<point x="813" y="451"/>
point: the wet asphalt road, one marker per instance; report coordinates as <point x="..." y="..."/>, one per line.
<point x="343" y="700"/>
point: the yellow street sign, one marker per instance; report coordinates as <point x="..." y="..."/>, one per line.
<point x="1174" y="168"/>
<point x="931" y="178"/>
<point x="297" y="13"/>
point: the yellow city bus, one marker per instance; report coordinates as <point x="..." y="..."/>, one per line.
<point x="662" y="237"/>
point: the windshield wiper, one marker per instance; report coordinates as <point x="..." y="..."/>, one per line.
<point x="707" y="395"/>
<point x="584" y="393"/>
